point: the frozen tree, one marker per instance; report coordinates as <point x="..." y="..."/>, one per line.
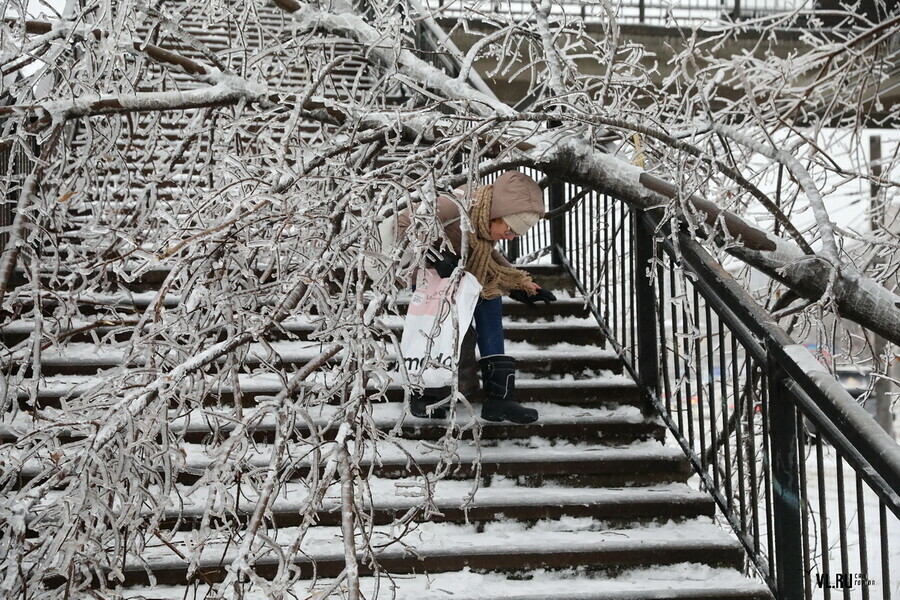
<point x="250" y="166"/>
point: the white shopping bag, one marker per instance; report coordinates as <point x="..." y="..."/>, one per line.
<point x="438" y="317"/>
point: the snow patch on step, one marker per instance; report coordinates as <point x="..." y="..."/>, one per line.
<point x="407" y="493"/>
<point x="385" y="415"/>
<point x="566" y="535"/>
<point x="534" y="585"/>
<point x="531" y="451"/>
<point x="296" y="351"/>
<point x="59" y="385"/>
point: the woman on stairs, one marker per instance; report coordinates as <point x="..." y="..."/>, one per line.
<point x="500" y="211"/>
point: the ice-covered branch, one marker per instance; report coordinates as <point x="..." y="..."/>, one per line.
<point x="346" y="23"/>
<point x="228" y="91"/>
<point x="16" y="238"/>
<point x="555" y="68"/>
<point x="823" y="219"/>
<point x="858" y="297"/>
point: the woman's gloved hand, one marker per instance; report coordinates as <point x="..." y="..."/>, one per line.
<point x="444" y="263"/>
<point x="541" y="295"/>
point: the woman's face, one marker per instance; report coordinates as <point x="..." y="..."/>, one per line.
<point x="500" y="230"/>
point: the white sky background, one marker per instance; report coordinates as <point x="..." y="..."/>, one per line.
<point x="37" y="9"/>
<point x="847" y="203"/>
<point x="45" y="8"/>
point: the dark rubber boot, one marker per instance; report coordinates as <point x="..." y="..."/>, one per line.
<point x="418" y="403"/>
<point x="499" y="375"/>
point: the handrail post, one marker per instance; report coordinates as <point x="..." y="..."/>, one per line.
<point x="788" y="532"/>
<point x="645" y="300"/>
<point x="557" y="198"/>
<point x="513" y="249"/>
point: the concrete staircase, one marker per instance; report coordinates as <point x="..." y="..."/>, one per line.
<point x="588" y="503"/>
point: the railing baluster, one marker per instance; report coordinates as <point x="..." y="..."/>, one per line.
<point x="602" y="253"/>
<point x="595" y="236"/>
<point x="886" y="580"/>
<point x="663" y="346"/>
<point x="842" y="522"/>
<point x="614" y="276"/>
<point x="725" y="437"/>
<point x="645" y="298"/>
<point x="689" y="389"/>
<point x="632" y="242"/>
<point x="623" y="285"/>
<point x="805" y="515"/>
<point x="767" y="460"/>
<point x="751" y="452"/>
<point x="823" y="513"/>
<point x="710" y="459"/>
<point x="557" y="198"/>
<point x="861" y="528"/>
<point x="703" y="332"/>
<point x="676" y="358"/>
<point x="738" y="413"/>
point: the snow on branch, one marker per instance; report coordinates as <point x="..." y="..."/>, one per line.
<point x="229" y="90"/>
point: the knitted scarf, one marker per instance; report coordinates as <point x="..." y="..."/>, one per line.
<point x="494" y="278"/>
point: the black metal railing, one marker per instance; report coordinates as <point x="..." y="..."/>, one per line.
<point x="642" y="12"/>
<point x="802" y="474"/>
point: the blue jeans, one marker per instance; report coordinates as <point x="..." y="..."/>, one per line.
<point x="489" y="326"/>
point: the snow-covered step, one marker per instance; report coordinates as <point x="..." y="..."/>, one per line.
<point x="456" y="501"/>
<point x="87" y="359"/>
<point x="541" y="333"/>
<point x="637" y="463"/>
<point x="604" y="388"/>
<point x="138" y="274"/>
<point x="126" y="303"/>
<point x="598" y="424"/>
<point x="569" y="543"/>
<point x="535" y="460"/>
<point x="680" y="581"/>
<point x="563" y="422"/>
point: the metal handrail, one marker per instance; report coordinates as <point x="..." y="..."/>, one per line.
<point x="673" y="334"/>
<point x="716" y="341"/>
